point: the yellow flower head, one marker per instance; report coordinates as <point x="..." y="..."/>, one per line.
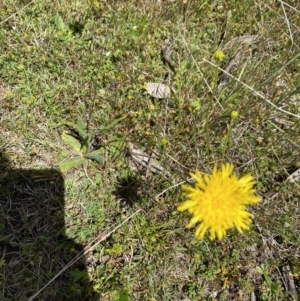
<point x="234" y="114"/>
<point x="219" y="54"/>
<point x="219" y="201"/>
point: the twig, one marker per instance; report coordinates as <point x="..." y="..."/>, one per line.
<point x="199" y="70"/>
<point x="224" y="78"/>
<point x="16" y="12"/>
<point x="287" y="22"/>
<point x="282" y="2"/>
<point x="254" y="91"/>
<point x="89" y="248"/>
<point x="289" y="281"/>
<point x="169" y="188"/>
<point x="85" y="171"/>
<point x="253" y="297"/>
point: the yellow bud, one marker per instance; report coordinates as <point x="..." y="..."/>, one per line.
<point x="234" y="114"/>
<point x="219" y="54"/>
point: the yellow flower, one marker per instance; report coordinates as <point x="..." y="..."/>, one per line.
<point x="234" y="114"/>
<point x="219" y="201"/>
<point x="219" y="54"/>
<point x="96" y="287"/>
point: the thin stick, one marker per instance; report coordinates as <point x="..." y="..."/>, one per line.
<point x="16" y="12"/>
<point x="287" y="22"/>
<point x="199" y="70"/>
<point x="90" y="246"/>
<point x="282" y="2"/>
<point x="254" y="91"/>
<point x="169" y="188"/>
<point x="101" y="237"/>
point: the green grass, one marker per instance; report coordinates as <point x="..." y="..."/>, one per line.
<point x="60" y="61"/>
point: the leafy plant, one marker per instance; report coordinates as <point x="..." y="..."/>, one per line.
<point x="122" y="295"/>
<point x="77" y="274"/>
<point x="271" y="289"/>
<point x="84" y="143"/>
<point x="63" y="31"/>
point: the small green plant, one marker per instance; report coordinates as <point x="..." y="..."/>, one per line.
<point x="63" y="31"/>
<point x="271" y="289"/>
<point x="122" y="295"/>
<point x="86" y="144"/>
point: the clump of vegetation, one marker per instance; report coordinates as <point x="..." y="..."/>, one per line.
<point x="222" y="85"/>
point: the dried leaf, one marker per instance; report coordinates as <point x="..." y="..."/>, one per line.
<point x="147" y="161"/>
<point x="157" y="90"/>
<point x="294" y="177"/>
<point x="105" y="258"/>
<point x="167" y="50"/>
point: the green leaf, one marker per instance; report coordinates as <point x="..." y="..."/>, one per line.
<point x="116" y="145"/>
<point x="112" y="124"/>
<point x="73" y="142"/>
<point x="63" y="154"/>
<point x="116" y="249"/>
<point x="59" y="23"/>
<point x="196" y="104"/>
<point x="95" y="156"/>
<point x="135" y="34"/>
<point x="268" y="279"/>
<point x="68" y="164"/>
<point x="81" y="127"/>
<point x="122" y="295"/>
<point x="259" y="270"/>
<point x="77" y="274"/>
<point x="143" y="22"/>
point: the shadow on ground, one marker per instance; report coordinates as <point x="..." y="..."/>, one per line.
<point x="132" y="190"/>
<point x="33" y="246"/>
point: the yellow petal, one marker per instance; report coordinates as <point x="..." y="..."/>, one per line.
<point x="185" y="205"/>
